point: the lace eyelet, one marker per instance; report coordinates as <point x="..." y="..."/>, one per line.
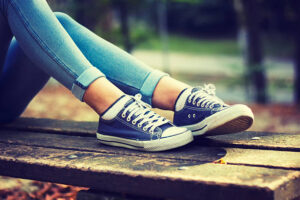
<point x="128" y="119"/>
<point x="194" y="115"/>
<point x="123" y="115"/>
<point x="139" y="125"/>
<point x="151" y="131"/>
<point x="189" y="115"/>
<point x="144" y="129"/>
<point x="194" y="102"/>
<point x="133" y="122"/>
<point x="198" y="104"/>
<point x="189" y="101"/>
<point x="211" y="106"/>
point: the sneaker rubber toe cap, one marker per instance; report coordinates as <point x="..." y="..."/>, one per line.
<point x="172" y="131"/>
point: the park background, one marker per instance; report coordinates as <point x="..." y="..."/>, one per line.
<point x="250" y="49"/>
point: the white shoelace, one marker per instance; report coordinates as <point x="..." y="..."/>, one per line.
<point x="142" y="112"/>
<point x="205" y="97"/>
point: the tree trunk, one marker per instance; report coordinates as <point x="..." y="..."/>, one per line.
<point x="296" y="5"/>
<point x="82" y="7"/>
<point x="297" y="69"/>
<point x="124" y="17"/>
<point x="249" y="16"/>
<point x="163" y="32"/>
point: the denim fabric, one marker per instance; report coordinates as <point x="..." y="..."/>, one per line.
<point x="126" y="72"/>
<point x="48" y="45"/>
<point x="45" y="41"/>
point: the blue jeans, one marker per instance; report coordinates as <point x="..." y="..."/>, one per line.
<point x="36" y="44"/>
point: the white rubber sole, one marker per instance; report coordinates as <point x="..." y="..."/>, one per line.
<point x="231" y="120"/>
<point x="163" y="144"/>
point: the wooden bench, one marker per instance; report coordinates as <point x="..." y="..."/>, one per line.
<point x="258" y="165"/>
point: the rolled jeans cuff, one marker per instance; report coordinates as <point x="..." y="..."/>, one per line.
<point x="149" y="85"/>
<point x="84" y="80"/>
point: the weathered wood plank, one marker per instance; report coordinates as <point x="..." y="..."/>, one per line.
<point x="91" y="144"/>
<point x="154" y="177"/>
<point x="53" y="126"/>
<point x="255" y="140"/>
<point x="276" y="141"/>
<point x="188" y="155"/>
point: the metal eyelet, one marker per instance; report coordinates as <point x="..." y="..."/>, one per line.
<point x="128" y="119"/>
<point x="123" y="115"/>
<point x="133" y="122"/>
<point x="139" y="125"/>
<point x="194" y="102"/>
<point x="189" y="100"/>
<point x="194" y="115"/>
<point x="189" y="115"/>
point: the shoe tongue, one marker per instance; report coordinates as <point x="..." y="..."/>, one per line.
<point x="195" y="90"/>
<point x="116" y="107"/>
<point x="128" y="103"/>
<point x="200" y="90"/>
<point x="181" y="99"/>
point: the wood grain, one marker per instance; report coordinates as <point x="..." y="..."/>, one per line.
<point x="192" y="153"/>
<point x="143" y="176"/>
<point x="275" y="141"/>
<point x="267" y="167"/>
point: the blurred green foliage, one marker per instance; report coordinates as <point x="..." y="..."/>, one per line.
<point x="191" y="45"/>
<point x="194" y="26"/>
<point x="187" y="20"/>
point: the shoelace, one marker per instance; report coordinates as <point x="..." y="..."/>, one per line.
<point x="142" y="112"/>
<point x="205" y="96"/>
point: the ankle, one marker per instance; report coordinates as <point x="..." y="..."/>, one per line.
<point x="101" y="94"/>
<point x="167" y="92"/>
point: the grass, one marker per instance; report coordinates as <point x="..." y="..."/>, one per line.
<point x="193" y="45"/>
<point x="143" y="38"/>
<point x="273" y="46"/>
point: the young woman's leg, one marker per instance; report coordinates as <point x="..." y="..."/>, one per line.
<point x="49" y="47"/>
<point x="19" y="67"/>
<point x="206" y="113"/>
<point x="20" y="81"/>
<point x="5" y="36"/>
<point x="126" y="72"/>
<point x="126" y="122"/>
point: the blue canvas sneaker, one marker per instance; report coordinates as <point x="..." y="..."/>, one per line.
<point x="201" y="111"/>
<point x="130" y="123"/>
